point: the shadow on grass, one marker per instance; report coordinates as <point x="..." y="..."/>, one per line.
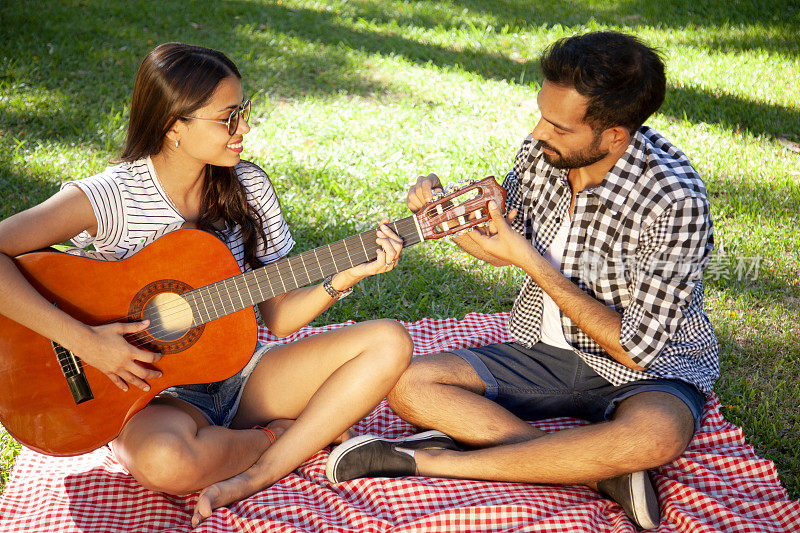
<point x="758" y="390"/>
<point x="54" y="123"/>
<point x="295" y="52"/>
<point x="781" y="16"/>
<point x="19" y="191"/>
<point x="424" y="284"/>
<point x="324" y="28"/>
<point x="731" y="112"/>
<point x="67" y="84"/>
<point x="775" y="200"/>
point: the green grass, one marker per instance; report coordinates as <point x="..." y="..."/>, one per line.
<point x="355" y="99"/>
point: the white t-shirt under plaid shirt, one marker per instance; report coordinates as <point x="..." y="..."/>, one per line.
<point x="639" y="243"/>
<point x="133" y="210"/>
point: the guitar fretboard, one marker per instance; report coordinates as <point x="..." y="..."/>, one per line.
<point x="244" y="290"/>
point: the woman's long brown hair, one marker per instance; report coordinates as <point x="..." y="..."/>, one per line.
<point x="173" y="81"/>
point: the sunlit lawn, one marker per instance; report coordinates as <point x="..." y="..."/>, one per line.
<point x="355" y="99"/>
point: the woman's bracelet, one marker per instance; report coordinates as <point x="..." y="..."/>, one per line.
<point x="334" y="293"/>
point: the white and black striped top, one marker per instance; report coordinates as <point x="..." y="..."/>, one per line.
<point x="133" y="210"/>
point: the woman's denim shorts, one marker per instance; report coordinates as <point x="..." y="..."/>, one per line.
<point x="219" y="401"/>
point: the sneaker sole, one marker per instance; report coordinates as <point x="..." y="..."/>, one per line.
<point x="341" y="450"/>
<point x="641" y="484"/>
<point x="362" y="440"/>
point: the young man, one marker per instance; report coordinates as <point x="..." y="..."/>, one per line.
<point x="612" y="226"/>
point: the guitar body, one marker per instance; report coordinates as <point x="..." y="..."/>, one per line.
<point x="188" y="284"/>
<point x="36" y="406"/>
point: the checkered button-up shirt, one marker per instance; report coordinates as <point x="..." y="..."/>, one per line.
<point x="639" y="243"/>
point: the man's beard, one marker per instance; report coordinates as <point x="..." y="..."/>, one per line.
<point x="583" y="158"/>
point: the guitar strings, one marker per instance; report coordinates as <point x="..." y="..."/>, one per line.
<point x="281" y="269"/>
<point x="254" y="280"/>
<point x="221" y="297"/>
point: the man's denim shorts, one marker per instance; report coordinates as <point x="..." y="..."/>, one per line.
<point x="546" y="382"/>
<point x="219" y="401"/>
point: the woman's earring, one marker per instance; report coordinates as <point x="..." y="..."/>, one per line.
<point x="176" y="143"/>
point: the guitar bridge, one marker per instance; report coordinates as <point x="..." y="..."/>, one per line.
<point x="72" y="368"/>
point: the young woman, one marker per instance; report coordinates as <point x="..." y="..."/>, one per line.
<point x="181" y="164"/>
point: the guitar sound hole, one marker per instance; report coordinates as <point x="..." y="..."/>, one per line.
<point x="170" y="316"/>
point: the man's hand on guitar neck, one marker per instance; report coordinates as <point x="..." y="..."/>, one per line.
<point x="499" y="241"/>
<point x="422" y="192"/>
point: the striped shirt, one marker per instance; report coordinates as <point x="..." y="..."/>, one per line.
<point x="133" y="210"/>
<point x="639" y="243"/>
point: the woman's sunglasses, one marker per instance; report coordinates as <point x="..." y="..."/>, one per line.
<point x="242" y="111"/>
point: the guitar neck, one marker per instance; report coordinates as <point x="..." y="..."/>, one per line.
<point x="245" y="290"/>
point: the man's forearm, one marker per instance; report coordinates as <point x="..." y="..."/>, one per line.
<point x="499" y="244"/>
<point x="594" y="318"/>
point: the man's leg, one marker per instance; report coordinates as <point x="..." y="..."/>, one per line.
<point x="444" y="392"/>
<point x="648" y="430"/>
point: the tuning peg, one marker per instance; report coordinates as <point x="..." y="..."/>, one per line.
<point x="458" y="233"/>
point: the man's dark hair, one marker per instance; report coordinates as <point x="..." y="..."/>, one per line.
<point x="622" y="78"/>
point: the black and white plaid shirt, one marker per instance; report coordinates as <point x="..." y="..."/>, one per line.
<point x="639" y="243"/>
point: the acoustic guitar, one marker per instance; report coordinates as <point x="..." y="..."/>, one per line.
<point x="200" y="307"/>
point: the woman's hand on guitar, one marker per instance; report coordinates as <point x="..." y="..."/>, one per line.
<point x="389" y="248"/>
<point x="107" y="350"/>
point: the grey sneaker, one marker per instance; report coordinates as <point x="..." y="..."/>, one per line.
<point x="637" y="495"/>
<point x="371" y="456"/>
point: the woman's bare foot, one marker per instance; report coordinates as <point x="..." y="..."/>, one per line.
<point x="221" y="494"/>
<point x="243" y="485"/>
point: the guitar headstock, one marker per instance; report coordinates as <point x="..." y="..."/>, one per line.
<point x="460" y="209"/>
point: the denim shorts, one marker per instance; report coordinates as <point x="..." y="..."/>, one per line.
<point x="219" y="401"/>
<point x="546" y="382"/>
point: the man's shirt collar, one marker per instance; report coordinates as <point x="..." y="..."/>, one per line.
<point x="621" y="179"/>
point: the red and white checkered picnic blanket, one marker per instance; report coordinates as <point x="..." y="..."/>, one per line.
<point x="718" y="484"/>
